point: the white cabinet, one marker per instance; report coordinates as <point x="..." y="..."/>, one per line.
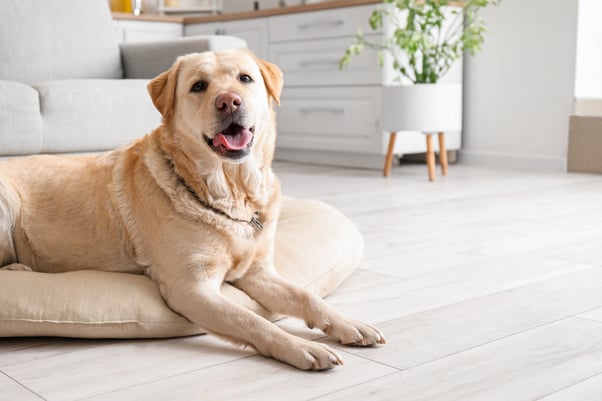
<point x="316" y="62"/>
<point x="338" y="22"/>
<point x="146" y="31"/>
<point x="211" y="28"/>
<point x="326" y="115"/>
<point x="253" y="31"/>
<point x="308" y="47"/>
<point x="340" y="119"/>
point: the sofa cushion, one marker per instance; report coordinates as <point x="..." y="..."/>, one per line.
<point x="20" y="119"/>
<point x="316" y="248"/>
<point x="94" y="115"/>
<point x="147" y="60"/>
<point x="57" y="39"/>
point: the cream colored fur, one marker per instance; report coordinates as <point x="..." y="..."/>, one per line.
<point x="130" y="210"/>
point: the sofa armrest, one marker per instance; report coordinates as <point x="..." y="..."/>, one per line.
<point x="149" y="59"/>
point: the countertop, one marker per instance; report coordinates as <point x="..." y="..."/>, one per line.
<point x="183" y="19"/>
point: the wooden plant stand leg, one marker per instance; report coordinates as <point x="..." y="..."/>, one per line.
<point x="442" y="154"/>
<point x="430" y="157"/>
<point x="389" y="157"/>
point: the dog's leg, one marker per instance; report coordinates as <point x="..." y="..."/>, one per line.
<point x="16" y="267"/>
<point x="202" y="302"/>
<point x="271" y="290"/>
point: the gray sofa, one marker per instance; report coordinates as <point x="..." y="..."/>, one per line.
<point x="67" y="85"/>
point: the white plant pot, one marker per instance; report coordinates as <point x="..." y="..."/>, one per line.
<point x="429" y="108"/>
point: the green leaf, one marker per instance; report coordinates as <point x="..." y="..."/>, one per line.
<point x="421" y="49"/>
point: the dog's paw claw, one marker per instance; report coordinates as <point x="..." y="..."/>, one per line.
<point x="358" y="334"/>
<point x="308" y="355"/>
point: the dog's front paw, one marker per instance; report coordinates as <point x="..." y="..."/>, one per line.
<point x="308" y="355"/>
<point x="350" y="332"/>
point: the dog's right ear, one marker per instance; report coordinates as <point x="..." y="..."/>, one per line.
<point x="162" y="90"/>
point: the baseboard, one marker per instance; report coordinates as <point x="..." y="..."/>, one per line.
<point x="546" y="164"/>
<point x="329" y="158"/>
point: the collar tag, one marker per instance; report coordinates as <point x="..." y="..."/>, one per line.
<point x="256" y="224"/>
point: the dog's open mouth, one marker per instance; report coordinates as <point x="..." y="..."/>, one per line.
<point x="234" y="142"/>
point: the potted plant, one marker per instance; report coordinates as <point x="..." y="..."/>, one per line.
<point x="422" y="40"/>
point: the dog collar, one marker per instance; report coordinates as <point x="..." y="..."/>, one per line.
<point x="254" y="221"/>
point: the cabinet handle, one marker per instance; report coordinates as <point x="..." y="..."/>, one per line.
<point x="330" y="110"/>
<point x="324" y="24"/>
<point x="319" y="62"/>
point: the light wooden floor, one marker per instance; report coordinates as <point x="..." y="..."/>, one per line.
<point x="487" y="284"/>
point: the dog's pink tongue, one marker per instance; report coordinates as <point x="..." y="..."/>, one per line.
<point x="238" y="141"/>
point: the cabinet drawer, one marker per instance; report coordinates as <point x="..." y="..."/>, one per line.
<point x="253" y="31"/>
<point x="212" y="28"/>
<point x="321" y="24"/>
<point x="341" y="119"/>
<point x="316" y="62"/>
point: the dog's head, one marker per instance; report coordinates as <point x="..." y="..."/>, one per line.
<point x="220" y="99"/>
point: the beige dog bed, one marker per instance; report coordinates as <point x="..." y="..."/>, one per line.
<point x="316" y="247"/>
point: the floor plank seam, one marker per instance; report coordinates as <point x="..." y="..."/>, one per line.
<point x="372" y="360"/>
<point x="577" y="316"/>
<point x="31" y="347"/>
<point x="569" y="386"/>
<point x="382" y="322"/>
<point x="64" y="352"/>
<point x="159" y="379"/>
<point x="361" y="269"/>
<point x="353" y="386"/>
<point x="502" y="338"/>
<point x="22" y="386"/>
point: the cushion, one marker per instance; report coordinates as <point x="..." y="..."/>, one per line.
<point x="95" y="114"/>
<point x="20" y="119"/>
<point x="316" y="248"/>
<point x="58" y="39"/>
<point x="149" y="59"/>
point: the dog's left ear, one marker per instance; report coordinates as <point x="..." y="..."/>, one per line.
<point x="162" y="90"/>
<point x="272" y="76"/>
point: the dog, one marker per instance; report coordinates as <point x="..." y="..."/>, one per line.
<point x="193" y="204"/>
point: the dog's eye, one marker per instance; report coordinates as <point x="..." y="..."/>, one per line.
<point x="200" y="86"/>
<point x="245" y="78"/>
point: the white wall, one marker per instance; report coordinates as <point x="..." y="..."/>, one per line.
<point x="519" y="91"/>
<point x="588" y="83"/>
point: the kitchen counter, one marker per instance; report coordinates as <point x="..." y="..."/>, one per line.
<point x="196" y="19"/>
<point x="327" y="115"/>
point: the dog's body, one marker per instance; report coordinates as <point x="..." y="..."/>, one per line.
<point x="192" y="204"/>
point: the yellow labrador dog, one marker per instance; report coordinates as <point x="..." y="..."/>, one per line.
<point x="192" y="204"/>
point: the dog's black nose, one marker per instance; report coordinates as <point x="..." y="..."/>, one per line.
<point x="228" y="102"/>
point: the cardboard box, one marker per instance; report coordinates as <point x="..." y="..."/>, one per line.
<point x="585" y="144"/>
